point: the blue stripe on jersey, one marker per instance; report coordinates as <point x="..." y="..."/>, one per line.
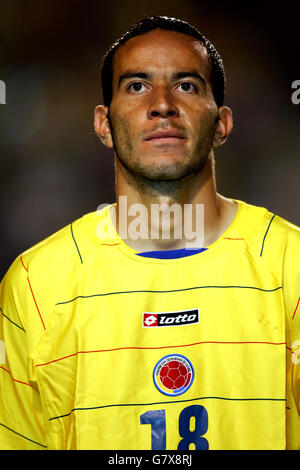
<point x="167" y="403"/>
<point x="171" y="254"/>
<point x="262" y="248"/>
<point x="166" y="291"/>
<point x="76" y="243"/>
<point x="21" y="328"/>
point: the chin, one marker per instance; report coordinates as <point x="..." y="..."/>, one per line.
<point x="165" y="173"/>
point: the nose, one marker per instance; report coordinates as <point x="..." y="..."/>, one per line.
<point x="162" y="104"/>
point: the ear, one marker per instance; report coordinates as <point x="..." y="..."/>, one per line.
<point x="224" y="126"/>
<point x="101" y="125"/>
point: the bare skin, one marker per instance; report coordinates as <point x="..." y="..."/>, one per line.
<point x="163" y="124"/>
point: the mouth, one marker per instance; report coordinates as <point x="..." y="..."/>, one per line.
<point x="165" y="136"/>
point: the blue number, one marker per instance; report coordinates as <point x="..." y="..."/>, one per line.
<point x="201" y="425"/>
<point x="157" y="419"/>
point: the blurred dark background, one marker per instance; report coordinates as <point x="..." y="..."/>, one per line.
<point x="53" y="167"/>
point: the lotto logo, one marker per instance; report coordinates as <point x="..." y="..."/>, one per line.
<point x="186" y="317"/>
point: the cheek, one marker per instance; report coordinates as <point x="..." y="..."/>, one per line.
<point x="122" y="130"/>
<point x="128" y="124"/>
<point x="196" y="110"/>
<point x="203" y="118"/>
<point x="122" y="112"/>
<point x="127" y="108"/>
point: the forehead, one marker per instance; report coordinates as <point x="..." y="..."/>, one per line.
<point x="161" y="50"/>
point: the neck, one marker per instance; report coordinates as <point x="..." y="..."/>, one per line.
<point x="163" y="215"/>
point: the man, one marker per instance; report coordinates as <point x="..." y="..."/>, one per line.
<point x="138" y="338"/>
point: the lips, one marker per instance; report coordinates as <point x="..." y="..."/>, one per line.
<point x="164" y="134"/>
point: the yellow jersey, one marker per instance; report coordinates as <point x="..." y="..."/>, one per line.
<point x="101" y="348"/>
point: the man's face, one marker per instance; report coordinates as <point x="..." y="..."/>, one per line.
<point x="162" y="114"/>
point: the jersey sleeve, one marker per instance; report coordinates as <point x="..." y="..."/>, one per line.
<point x="291" y="293"/>
<point x="22" y="423"/>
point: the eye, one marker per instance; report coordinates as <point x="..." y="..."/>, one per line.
<point x="137" y="87"/>
<point x="188" y="87"/>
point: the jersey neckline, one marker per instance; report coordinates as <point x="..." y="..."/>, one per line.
<point x="240" y="228"/>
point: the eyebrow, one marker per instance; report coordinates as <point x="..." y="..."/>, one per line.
<point x="127" y="75"/>
<point x="189" y="74"/>
<point x="175" y="76"/>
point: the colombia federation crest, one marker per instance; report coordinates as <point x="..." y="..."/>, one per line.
<point x="173" y="374"/>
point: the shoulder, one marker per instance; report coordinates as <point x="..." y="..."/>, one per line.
<point x="56" y="257"/>
<point x="268" y="230"/>
<point x="66" y="251"/>
<point x="70" y="245"/>
<point x="280" y="234"/>
<point x="269" y="239"/>
<point x="38" y="275"/>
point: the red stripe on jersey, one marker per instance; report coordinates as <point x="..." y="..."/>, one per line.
<point x="26" y="269"/>
<point x="23" y="264"/>
<point x="110" y="244"/>
<point x="226" y="238"/>
<point x="296" y="309"/>
<point x="159" y="347"/>
<point x="15" y="380"/>
<point x="35" y="303"/>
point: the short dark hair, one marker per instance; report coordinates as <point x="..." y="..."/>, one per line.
<point x="148" y="24"/>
